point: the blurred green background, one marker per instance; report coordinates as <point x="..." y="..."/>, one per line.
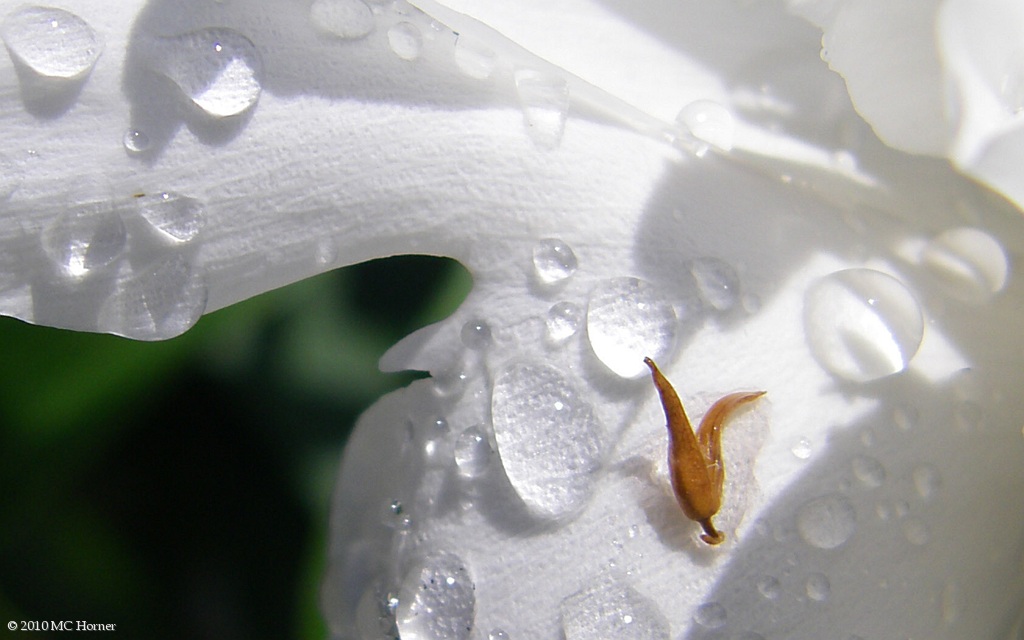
<point x="181" y="489"/>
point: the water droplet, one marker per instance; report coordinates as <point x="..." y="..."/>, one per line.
<point x="86" y="237"/>
<point x="1011" y="85"/>
<point x="218" y="69"/>
<point x="710" y="615"/>
<point x="476" y="334"/>
<point x="51" y="42"/>
<point x="802" y="448"/>
<point x="826" y="522"/>
<point x="472" y="453"/>
<point x="498" y="634"/>
<point x="710" y="123"/>
<point x="545" y="101"/>
<point x="869" y="471"/>
<point x="136" y="142"/>
<point x="717" y="281"/>
<point x="862" y="324"/>
<point x="818" y="587"/>
<point x="927" y="481"/>
<point x="405" y="40"/>
<point x="548" y="438"/>
<point x="348" y="19"/>
<point x="177" y="218"/>
<point x="326" y="252"/>
<point x="553" y="261"/>
<point x="970" y="264"/>
<point x="474" y="58"/>
<point x="609" y="609"/>
<point x="437" y="600"/>
<point x="916" y="531"/>
<point x="159" y="302"/>
<point x="905" y="417"/>
<point x="563" y="321"/>
<point x="627" y="320"/>
<point x="451" y="383"/>
<point x="437" y="446"/>
<point x="769" y="587"/>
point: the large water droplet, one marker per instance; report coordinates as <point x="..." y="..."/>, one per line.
<point x="437" y="600"/>
<point x="717" y="282"/>
<point x="178" y="218"/>
<point x="347" y="19"/>
<point x="709" y="122"/>
<point x="86" y="237"/>
<point x="710" y="615"/>
<point x="544" y="98"/>
<point x="162" y="301"/>
<point x="218" y="69"/>
<point x="52" y="42"/>
<point x="406" y="40"/>
<point x="472" y="452"/>
<point x="548" y="438"/>
<point x="826" y="522"/>
<point x="563" y="321"/>
<point x="553" y="261"/>
<point x="869" y="471"/>
<point x="970" y="264"/>
<point x="818" y="587"/>
<point x="862" y="324"/>
<point x="136" y="142"/>
<point x="608" y="609"/>
<point x="474" y="58"/>
<point x="627" y="320"/>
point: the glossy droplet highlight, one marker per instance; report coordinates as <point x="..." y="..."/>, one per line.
<point x="709" y="122"/>
<point x="136" y="142"/>
<point x="476" y="334"/>
<point x="218" y="69"/>
<point x="51" y="42"/>
<point x="451" y="383"/>
<point x="472" y="453"/>
<point x="629" y="319"/>
<point x="544" y="98"/>
<point x="553" y="261"/>
<point x="85" y="238"/>
<point x="177" y="218"/>
<point x="826" y="522"/>
<point x="817" y="587"/>
<point x="548" y="438"/>
<point x="869" y="471"/>
<point x="862" y="324"/>
<point x="161" y="301"/>
<point x="405" y="40"/>
<point x="710" y="615"/>
<point x="498" y="634"/>
<point x="437" y="600"/>
<point x="717" y="282"/>
<point x="609" y="609"/>
<point x="969" y="264"/>
<point x="802" y="448"/>
<point x="563" y="321"/>
<point x="346" y="19"/>
<point x="474" y="58"/>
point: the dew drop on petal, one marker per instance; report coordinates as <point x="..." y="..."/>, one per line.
<point x="451" y="383"/>
<point x="51" y="42"/>
<point x="769" y="587"/>
<point x="472" y="452"/>
<point x="709" y="122"/>
<point x="563" y="321"/>
<point x="609" y="609"/>
<point x="544" y="98"/>
<point x="802" y="448"/>
<point x="437" y="447"/>
<point x="405" y="40"/>
<point x="1011" y="84"/>
<point x="476" y="334"/>
<point x="161" y="301"/>
<point x="927" y="481"/>
<point x="629" y="319"/>
<point x="347" y="19"/>
<point x="326" y="252"/>
<point x="498" y="634"/>
<point x="826" y="522"/>
<point x="862" y="324"/>
<point x="437" y="600"/>
<point x="86" y="237"/>
<point x="136" y="142"/>
<point x="818" y="587"/>
<point x="710" y="615"/>
<point x="869" y="471"/>
<point x="553" y="261"/>
<point x="548" y="438"/>
<point x="474" y="58"/>
<point x="178" y="218"/>
<point x="717" y="282"/>
<point x="970" y="264"/>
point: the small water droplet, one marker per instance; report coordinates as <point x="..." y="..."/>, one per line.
<point x="862" y="324"/>
<point x="970" y="264"/>
<point x="717" y="281"/>
<point x="553" y="261"/>
<point x="161" y="301"/>
<point x="802" y="448"/>
<point x="437" y="448"/>
<point x="710" y="615"/>
<point x="1011" y="84"/>
<point x="609" y="609"/>
<point x="136" y="142"/>
<point x="826" y="522"/>
<point x="476" y="334"/>
<point x="51" y="42"/>
<point x="85" y="238"/>
<point x="818" y="587"/>
<point x="769" y="587"/>
<point x="405" y="40"/>
<point x="218" y="69"/>
<point x="916" y="531"/>
<point x="544" y="98"/>
<point x="437" y="600"/>
<point x="869" y="471"/>
<point x="629" y="319"/>
<point x="472" y="452"/>
<point x="178" y="218"/>
<point x="474" y="58"/>
<point x="347" y="19"/>
<point x="563" y="321"/>
<point x="451" y="383"/>
<point x="498" y="634"/>
<point x="709" y="122"/>
<point x="927" y="481"/>
<point x="905" y="417"/>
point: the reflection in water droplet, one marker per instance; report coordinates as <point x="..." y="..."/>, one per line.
<point x="86" y="237"/>
<point x="970" y="264"/>
<point x="161" y="301"/>
<point x="218" y="69"/>
<point x="710" y="615"/>
<point x="52" y="42"/>
<point x="553" y="261"/>
<point x="474" y="58"/>
<point x="437" y="448"/>
<point x="826" y="522"/>
<point x="717" y="281"/>
<point x="135" y="141"/>
<point x="627" y="320"/>
<point x="709" y="122"/>
<point x="548" y="438"/>
<point x="563" y="321"/>
<point x="545" y="101"/>
<point x="476" y="334"/>
<point x="178" y="218"/>
<point x="916" y="531"/>
<point x="769" y="587"/>
<point x="869" y="471"/>
<point x="609" y="609"/>
<point x="405" y="40"/>
<point x="472" y="452"/>
<point x="818" y="587"/>
<point x="862" y="324"/>
<point x="347" y="19"/>
<point x="802" y="448"/>
<point x="927" y="481"/>
<point x="437" y="600"/>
